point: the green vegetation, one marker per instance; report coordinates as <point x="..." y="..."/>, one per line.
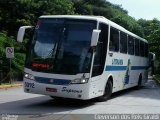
<point x="17" y="62"/>
<point x="14" y="14"/>
<point x="151" y="30"/>
<point x="6" y="83"/>
<point x="157" y="77"/>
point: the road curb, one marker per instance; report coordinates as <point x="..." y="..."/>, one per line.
<point x="10" y="86"/>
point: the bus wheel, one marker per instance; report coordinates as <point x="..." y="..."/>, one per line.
<point x="107" y="92"/>
<point x="139" y="86"/>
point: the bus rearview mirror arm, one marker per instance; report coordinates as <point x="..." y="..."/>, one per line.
<point x="21" y="32"/>
<point x="95" y="37"/>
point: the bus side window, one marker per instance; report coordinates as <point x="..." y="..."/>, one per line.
<point x="137" y="47"/>
<point x="123" y="42"/>
<point x="114" y="40"/>
<point x="130" y="45"/>
<point x="142" y="48"/>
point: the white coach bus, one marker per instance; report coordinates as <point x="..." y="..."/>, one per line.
<point x="83" y="57"/>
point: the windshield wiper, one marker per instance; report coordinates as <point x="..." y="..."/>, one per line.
<point x="52" y="53"/>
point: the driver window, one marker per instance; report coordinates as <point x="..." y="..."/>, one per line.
<point x="101" y="50"/>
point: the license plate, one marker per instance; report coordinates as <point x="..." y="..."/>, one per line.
<point x="51" y="89"/>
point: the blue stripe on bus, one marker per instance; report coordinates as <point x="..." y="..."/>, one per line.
<point x="139" y="67"/>
<point x="115" y="68"/>
<point x="122" y="68"/>
<point x="52" y="81"/>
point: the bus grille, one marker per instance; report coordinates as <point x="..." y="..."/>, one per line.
<point x="52" y="81"/>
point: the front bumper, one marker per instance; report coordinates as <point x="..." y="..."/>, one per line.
<point x="75" y="91"/>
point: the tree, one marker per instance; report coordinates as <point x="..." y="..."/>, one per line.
<point x="113" y="12"/>
<point x="26" y="12"/>
<point x="14" y="14"/>
<point x="152" y="34"/>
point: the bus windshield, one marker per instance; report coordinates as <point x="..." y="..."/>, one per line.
<point x="61" y="46"/>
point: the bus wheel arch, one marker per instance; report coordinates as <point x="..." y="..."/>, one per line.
<point x="111" y="79"/>
<point x="107" y="91"/>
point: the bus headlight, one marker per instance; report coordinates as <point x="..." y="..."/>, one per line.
<point x="79" y="81"/>
<point x="28" y="76"/>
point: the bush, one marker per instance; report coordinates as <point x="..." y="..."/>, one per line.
<point x="157" y="78"/>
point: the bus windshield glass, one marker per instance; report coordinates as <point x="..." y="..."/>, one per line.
<point x="61" y="46"/>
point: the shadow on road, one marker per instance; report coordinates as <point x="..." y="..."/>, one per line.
<point x="43" y="105"/>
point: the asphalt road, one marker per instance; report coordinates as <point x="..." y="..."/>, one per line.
<point x="15" y="102"/>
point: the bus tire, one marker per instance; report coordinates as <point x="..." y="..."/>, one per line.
<point x="107" y="92"/>
<point x="139" y="86"/>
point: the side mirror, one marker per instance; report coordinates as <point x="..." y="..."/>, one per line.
<point x="21" y="32"/>
<point x="152" y="56"/>
<point x="95" y="37"/>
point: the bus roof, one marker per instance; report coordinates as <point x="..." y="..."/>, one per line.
<point x="96" y="18"/>
<point x="74" y="17"/>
